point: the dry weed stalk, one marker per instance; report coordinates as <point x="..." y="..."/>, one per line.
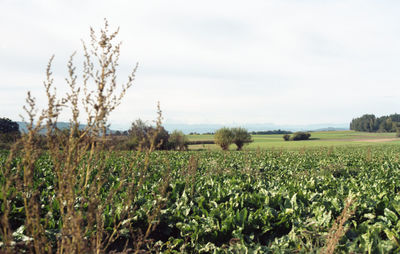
<point x="79" y="163"/>
<point x="78" y="159"/>
<point x="30" y="193"/>
<point x="338" y="230"/>
<point x="190" y="174"/>
<point x="368" y="157"/>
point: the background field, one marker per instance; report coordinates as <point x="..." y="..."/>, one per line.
<point x="325" y="138"/>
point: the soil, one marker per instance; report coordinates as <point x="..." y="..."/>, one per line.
<point x="378" y="140"/>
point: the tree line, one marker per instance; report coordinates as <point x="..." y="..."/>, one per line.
<point x="371" y="123"/>
<point x="279" y="131"/>
<point x="140" y="136"/>
<point x="270" y="132"/>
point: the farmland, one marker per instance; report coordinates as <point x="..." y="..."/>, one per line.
<point x="82" y="189"/>
<point x="266" y="201"/>
<point x="318" y="139"/>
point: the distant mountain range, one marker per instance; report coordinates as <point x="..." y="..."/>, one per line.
<point x="60" y="125"/>
<point x="206" y="128"/>
<point x="203" y="128"/>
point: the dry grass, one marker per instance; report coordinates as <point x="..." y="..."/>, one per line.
<point x="338" y="229"/>
<point x="78" y="157"/>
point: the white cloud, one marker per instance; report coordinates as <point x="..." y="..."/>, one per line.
<point x="293" y="62"/>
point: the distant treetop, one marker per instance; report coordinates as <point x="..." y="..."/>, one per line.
<point x="8" y="126"/>
<point x="371" y="123"/>
<point x="279" y="131"/>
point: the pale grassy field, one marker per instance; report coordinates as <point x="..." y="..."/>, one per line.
<point x="318" y="139"/>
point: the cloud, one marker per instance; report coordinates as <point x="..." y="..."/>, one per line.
<point x="292" y="62"/>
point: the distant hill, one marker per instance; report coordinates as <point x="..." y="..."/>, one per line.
<point x="331" y="129"/>
<point x="60" y="125"/>
<point x="205" y="128"/>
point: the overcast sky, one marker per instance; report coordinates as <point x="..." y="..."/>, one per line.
<point x="282" y="62"/>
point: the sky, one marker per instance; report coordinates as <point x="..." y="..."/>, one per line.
<point x="215" y="62"/>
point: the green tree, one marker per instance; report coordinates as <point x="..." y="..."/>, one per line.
<point x="159" y="135"/>
<point x="224" y="138"/>
<point x="142" y="136"/>
<point x="139" y="130"/>
<point x="300" y="136"/>
<point x="286" y="137"/>
<point x="178" y="140"/>
<point x="8" y="126"/>
<point x="9" y="130"/>
<point x="241" y="137"/>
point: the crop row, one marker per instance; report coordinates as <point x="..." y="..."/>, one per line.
<point x="261" y="201"/>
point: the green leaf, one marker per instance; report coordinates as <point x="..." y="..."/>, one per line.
<point x="392" y="236"/>
<point x="390" y="215"/>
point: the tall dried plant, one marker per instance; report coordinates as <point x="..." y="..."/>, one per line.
<point x="338" y="229"/>
<point x="78" y="159"/>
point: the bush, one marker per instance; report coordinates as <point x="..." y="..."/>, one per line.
<point x="224" y="138"/>
<point x="300" y="136"/>
<point x="178" y="141"/>
<point x="160" y="137"/>
<point x="241" y="137"/>
<point x="286" y="137"/>
<point x="143" y="136"/>
<point x="9" y="137"/>
<point x="131" y="143"/>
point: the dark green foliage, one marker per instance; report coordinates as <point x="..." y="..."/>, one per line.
<point x="9" y="132"/>
<point x="300" y="136"/>
<point x="279" y="131"/>
<point x="286" y="137"/>
<point x="8" y="126"/>
<point x="370" y="123"/>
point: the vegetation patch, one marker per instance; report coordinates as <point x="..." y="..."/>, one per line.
<point x="337" y="198"/>
<point x="297" y="136"/>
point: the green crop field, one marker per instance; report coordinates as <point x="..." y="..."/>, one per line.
<point x="325" y="138"/>
<point x="263" y="201"/>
